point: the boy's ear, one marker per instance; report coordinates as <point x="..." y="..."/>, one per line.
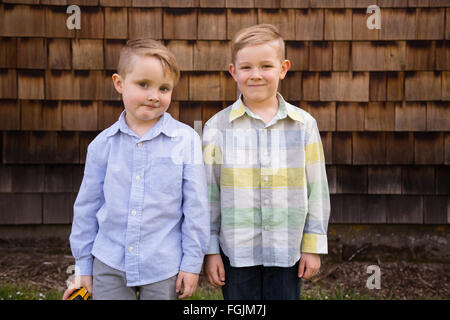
<point x="232" y="71"/>
<point x="285" y="66"/>
<point x="117" y="80"/>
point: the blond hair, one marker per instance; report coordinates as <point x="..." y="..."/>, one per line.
<point x="255" y="35"/>
<point x="149" y="48"/>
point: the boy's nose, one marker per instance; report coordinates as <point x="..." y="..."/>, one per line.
<point x="255" y="74"/>
<point x="152" y="96"/>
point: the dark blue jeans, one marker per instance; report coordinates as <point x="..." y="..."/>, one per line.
<point x="260" y="283"/>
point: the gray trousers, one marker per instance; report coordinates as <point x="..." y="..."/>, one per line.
<point x="110" y="284"/>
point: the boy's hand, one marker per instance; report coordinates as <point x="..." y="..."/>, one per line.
<point x="215" y="271"/>
<point x="189" y="282"/>
<point x="310" y="262"/>
<point x="78" y="282"/>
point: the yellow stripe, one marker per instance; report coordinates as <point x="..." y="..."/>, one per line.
<point x="253" y="178"/>
<point x="314" y="153"/>
<point x="212" y="154"/>
<point x="309" y="243"/>
<point x="235" y="113"/>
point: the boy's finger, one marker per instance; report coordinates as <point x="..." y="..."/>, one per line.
<point x="222" y="273"/>
<point x="179" y="282"/>
<point x="301" y="268"/>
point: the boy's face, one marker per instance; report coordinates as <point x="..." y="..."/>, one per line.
<point x="257" y="72"/>
<point x="146" y="91"/>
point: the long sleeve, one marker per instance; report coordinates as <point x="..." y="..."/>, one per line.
<point x="316" y="225"/>
<point x="213" y="158"/>
<point x="89" y="200"/>
<point x="195" y="226"/>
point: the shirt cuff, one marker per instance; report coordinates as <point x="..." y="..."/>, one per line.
<point x="214" y="247"/>
<point x="84" y="266"/>
<point x="315" y="243"/>
<point x="191" y="264"/>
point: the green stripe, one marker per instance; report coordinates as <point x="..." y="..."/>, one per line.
<point x="317" y="191"/>
<point x="213" y="192"/>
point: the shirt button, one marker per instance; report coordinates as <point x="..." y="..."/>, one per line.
<point x="140" y="144"/>
<point x="133" y="212"/>
<point x="266" y="202"/>
<point x="138" y="178"/>
<point x="266" y="178"/>
<point x="130" y="249"/>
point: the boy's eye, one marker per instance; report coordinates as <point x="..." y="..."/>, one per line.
<point x="245" y="67"/>
<point x="267" y="66"/>
<point x="143" y="84"/>
<point x="164" y="89"/>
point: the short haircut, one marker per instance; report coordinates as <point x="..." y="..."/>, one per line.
<point x="256" y="35"/>
<point x="148" y="48"/>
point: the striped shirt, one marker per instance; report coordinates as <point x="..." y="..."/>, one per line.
<point x="267" y="186"/>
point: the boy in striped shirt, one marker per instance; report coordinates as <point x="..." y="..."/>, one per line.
<point x="267" y="184"/>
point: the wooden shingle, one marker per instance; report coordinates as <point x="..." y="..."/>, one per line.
<point x="377" y="86"/>
<point x="283" y="19"/>
<point x="331" y="178"/>
<point x="239" y="3"/>
<point x="369" y="148"/>
<point x="338" y="24"/>
<point x="394" y="86"/>
<point x="442" y="178"/>
<point x="58" y="178"/>
<point x="190" y="112"/>
<point x="442" y="55"/>
<point x="447" y="148"/>
<point x="294" y="4"/>
<point x="297" y="53"/>
<point x="238" y="19"/>
<point x="79" y="116"/>
<point x="8" y="52"/>
<point x="404" y="209"/>
<point x="5" y="182"/>
<point x="88" y="85"/>
<point x="423" y="85"/>
<point x="174" y="110"/>
<point x="323" y="112"/>
<point x="430" y="23"/>
<point x="116" y="23"/>
<point x="446" y="86"/>
<point x="87" y="54"/>
<point x="351" y="179"/>
<point x="31" y="84"/>
<point x="373" y="209"/>
<point x="359" y="25"/>
<point x="310" y="86"/>
<point x="183" y="3"/>
<point x="393" y="3"/>
<point x="180" y="24"/>
<point x="8" y="83"/>
<point x="327" y="142"/>
<point x="59" y="54"/>
<point x="212" y="24"/>
<point x="31" y="53"/>
<point x="428" y="148"/>
<point x="181" y="91"/>
<point x="438" y="116"/>
<point x="204" y="87"/>
<point x="399" y="148"/>
<point x="212" y="4"/>
<point x="344" y="86"/>
<point x="394" y="55"/>
<point x="22" y="21"/>
<point x="435" y="210"/>
<point x="105" y="90"/>
<point x="359" y="3"/>
<point x="57" y="208"/>
<point x="342" y="148"/>
<point x="328" y="4"/>
<point x="368" y="56"/>
<point x="59" y="85"/>
<point x="345" y="208"/>
<point x="55" y="23"/>
<point x="145" y="23"/>
<point x="379" y="116"/>
<point x="39" y="115"/>
<point x="420" y="55"/>
<point x="269" y="4"/>
<point x="209" y="110"/>
<point x="27" y="208"/>
<point x="211" y="56"/>
<point x="92" y="23"/>
<point x="410" y="116"/>
<point x="398" y="24"/>
<point x="447" y="24"/>
<point x="112" y="53"/>
<point x="320" y="56"/>
<point x="418" y="180"/>
<point x="228" y="87"/>
<point x="108" y="113"/>
<point x="184" y="53"/>
<point x="385" y="180"/>
<point x="341" y="55"/>
<point x="125" y="3"/>
<point x="9" y="116"/>
<point x="309" y="24"/>
<point x="85" y="139"/>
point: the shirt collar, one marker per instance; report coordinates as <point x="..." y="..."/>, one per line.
<point x="166" y="124"/>
<point x="238" y="109"/>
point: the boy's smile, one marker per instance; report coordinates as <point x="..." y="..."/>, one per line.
<point x="257" y="72"/>
<point x="146" y="92"/>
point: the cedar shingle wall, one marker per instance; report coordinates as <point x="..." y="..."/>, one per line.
<point x="381" y="97"/>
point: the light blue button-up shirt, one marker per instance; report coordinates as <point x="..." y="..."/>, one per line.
<point x="142" y="207"/>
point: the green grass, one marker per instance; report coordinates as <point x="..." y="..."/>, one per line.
<point x="9" y="291"/>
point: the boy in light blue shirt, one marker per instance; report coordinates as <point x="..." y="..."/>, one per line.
<point x="141" y="220"/>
